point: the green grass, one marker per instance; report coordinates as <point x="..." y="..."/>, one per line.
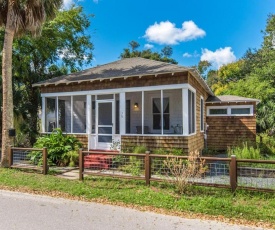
<point x="252" y="206"/>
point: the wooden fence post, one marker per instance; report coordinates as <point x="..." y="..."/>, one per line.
<point x="147" y="167"/>
<point x="45" y="162"/>
<point x="233" y="173"/>
<point x="81" y="164"/>
<point x="10" y="154"/>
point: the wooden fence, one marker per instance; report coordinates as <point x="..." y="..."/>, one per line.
<point x="19" y="158"/>
<point x="222" y="172"/>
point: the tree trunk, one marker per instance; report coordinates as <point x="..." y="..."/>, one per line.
<point x="7" y="110"/>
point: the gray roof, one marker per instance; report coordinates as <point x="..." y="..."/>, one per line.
<point x="229" y="98"/>
<point x="124" y="68"/>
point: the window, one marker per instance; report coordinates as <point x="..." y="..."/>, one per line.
<point x="240" y="111"/>
<point x="191" y="111"/>
<point x="157" y="113"/>
<point x="231" y="110"/>
<point x="202" y="114"/>
<point x="217" y="111"/>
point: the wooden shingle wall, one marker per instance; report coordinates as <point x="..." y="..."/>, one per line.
<point x="154" y="142"/>
<point x="226" y="131"/>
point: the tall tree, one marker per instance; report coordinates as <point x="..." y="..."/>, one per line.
<point x="18" y="17"/>
<point x="62" y="47"/>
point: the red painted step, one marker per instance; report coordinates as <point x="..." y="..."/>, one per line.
<point x="99" y="161"/>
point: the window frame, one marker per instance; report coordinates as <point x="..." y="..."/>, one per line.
<point x="229" y="109"/>
<point x="191" y="112"/>
<point x="202" y="114"/>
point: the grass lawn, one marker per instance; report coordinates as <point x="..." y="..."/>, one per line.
<point x="243" y="207"/>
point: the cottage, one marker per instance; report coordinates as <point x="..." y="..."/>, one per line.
<point x="136" y="101"/>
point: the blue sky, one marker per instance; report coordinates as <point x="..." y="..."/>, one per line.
<point x="215" y="30"/>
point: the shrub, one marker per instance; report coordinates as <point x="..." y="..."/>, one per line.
<point x="140" y="149"/>
<point x="185" y="171"/>
<point x="62" y="149"/>
<point x="244" y="151"/>
<point x="266" y="144"/>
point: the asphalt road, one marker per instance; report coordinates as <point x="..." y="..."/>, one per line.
<point x="26" y="212"/>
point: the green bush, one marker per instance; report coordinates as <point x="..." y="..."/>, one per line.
<point x="266" y="144"/>
<point x="244" y="151"/>
<point x="140" y="149"/>
<point x="62" y="149"/>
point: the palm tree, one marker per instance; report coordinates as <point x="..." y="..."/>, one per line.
<point x="18" y="17"/>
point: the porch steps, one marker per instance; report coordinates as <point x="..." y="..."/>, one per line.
<point x="99" y="161"/>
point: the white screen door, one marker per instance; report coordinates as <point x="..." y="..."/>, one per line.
<point x="105" y="121"/>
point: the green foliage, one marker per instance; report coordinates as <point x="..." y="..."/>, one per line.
<point x="252" y="77"/>
<point x="266" y="144"/>
<point x="244" y="151"/>
<point x="70" y="158"/>
<point x="140" y="149"/>
<point x="164" y="56"/>
<point x="63" y="47"/>
<point x="173" y="151"/>
<point x="62" y="149"/>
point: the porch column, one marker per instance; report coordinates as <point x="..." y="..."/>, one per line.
<point x="122" y="113"/>
<point x="185" y="113"/>
<point x="88" y="117"/>
<point x="88" y="114"/>
<point x="43" y="115"/>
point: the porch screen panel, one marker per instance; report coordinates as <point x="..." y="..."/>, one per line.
<point x="64" y="113"/>
<point x="93" y="114"/>
<point x="172" y="112"/>
<point x="79" y="114"/>
<point x="152" y="112"/>
<point x="191" y="111"/>
<point x="50" y="115"/>
<point x="133" y="114"/>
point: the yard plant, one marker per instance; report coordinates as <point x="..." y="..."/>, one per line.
<point x="62" y="149"/>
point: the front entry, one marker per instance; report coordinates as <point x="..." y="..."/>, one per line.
<point x="104" y="123"/>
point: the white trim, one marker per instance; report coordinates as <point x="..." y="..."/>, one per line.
<point x="57" y="113"/>
<point x="228" y="108"/>
<point x="185" y="113"/>
<point x="142" y="112"/>
<point x="202" y="115"/>
<point x="43" y="117"/>
<point x="161" y="112"/>
<point x="88" y="114"/>
<point x="122" y="113"/>
<point x="72" y="114"/>
<point x="121" y="90"/>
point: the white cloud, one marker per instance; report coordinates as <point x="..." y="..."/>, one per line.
<point x="219" y="57"/>
<point x="67" y="3"/>
<point x="148" y="46"/>
<point x="187" y="55"/>
<point x="167" y="33"/>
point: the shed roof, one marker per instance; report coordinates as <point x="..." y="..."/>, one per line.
<point x="124" y="68"/>
<point x="229" y="98"/>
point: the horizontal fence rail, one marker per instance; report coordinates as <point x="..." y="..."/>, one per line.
<point x="21" y="158"/>
<point x="218" y="172"/>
